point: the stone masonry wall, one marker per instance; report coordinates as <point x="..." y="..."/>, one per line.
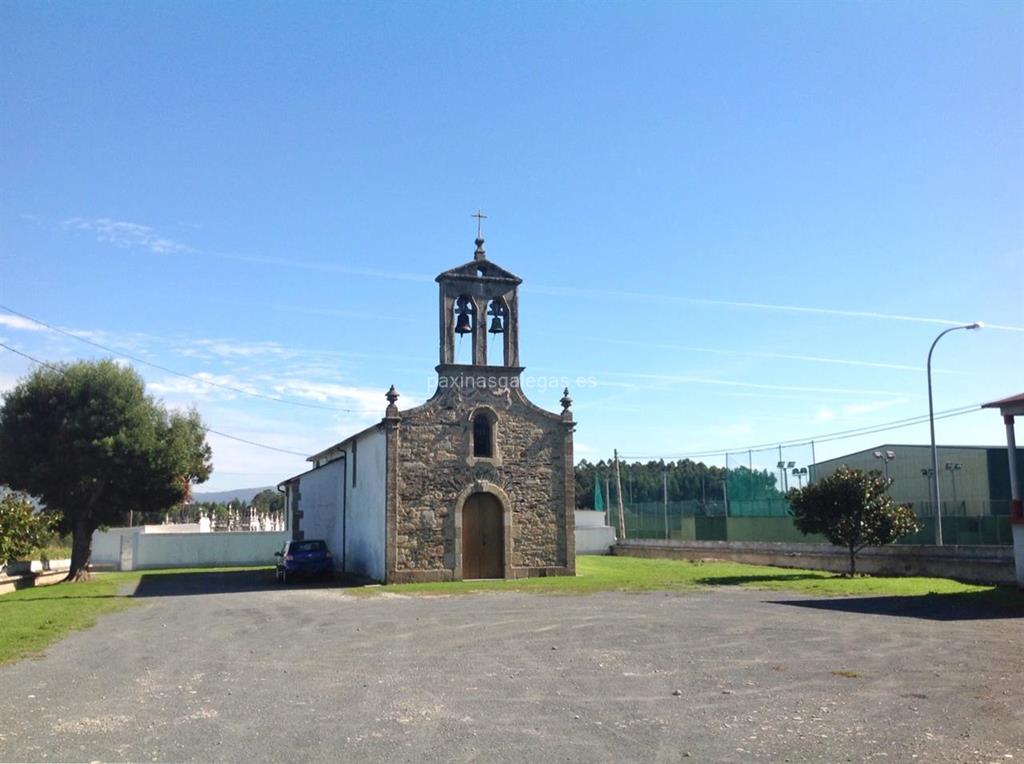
<point x="435" y="466"/>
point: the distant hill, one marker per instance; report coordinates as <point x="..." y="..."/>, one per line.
<point x="223" y="497"/>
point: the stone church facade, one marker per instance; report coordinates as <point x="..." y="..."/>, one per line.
<point x="477" y="482"/>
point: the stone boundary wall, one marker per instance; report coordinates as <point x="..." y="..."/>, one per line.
<point x="21" y="575"/>
<point x="195" y="550"/>
<point x="972" y="564"/>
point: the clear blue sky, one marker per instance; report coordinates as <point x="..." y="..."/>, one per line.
<point x="262" y="193"/>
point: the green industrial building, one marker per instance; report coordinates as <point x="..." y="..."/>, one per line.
<point x="973" y="480"/>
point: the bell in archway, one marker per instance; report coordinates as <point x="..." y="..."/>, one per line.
<point x="497" y="309"/>
<point x="464" y="311"/>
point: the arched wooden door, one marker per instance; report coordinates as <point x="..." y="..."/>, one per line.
<point x="483" y="537"/>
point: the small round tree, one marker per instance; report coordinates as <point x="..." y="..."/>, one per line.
<point x="87" y="440"/>
<point x="852" y="508"/>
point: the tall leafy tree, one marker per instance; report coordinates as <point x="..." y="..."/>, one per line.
<point x="852" y="508"/>
<point x="87" y="440"/>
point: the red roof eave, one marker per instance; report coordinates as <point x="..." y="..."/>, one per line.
<point x="1012" y="405"/>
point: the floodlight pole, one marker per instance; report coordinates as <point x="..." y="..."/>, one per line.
<point x="931" y="425"/>
<point x="664" y="496"/>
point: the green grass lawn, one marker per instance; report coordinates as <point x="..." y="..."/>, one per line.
<point x="633" y="574"/>
<point x="31" y="619"/>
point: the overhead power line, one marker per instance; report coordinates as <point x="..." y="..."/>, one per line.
<point x="826" y="438"/>
<point x="254" y="443"/>
<point x="210" y="430"/>
<point x="193" y="377"/>
<point x="31" y="358"/>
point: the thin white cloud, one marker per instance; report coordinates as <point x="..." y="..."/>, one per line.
<point x="234" y="462"/>
<point x="779" y="356"/>
<point x="581" y="449"/>
<point x="689" y="380"/>
<point x="870" y="407"/>
<point x="196" y="389"/>
<point x="368" y="400"/>
<point x="334" y="313"/>
<point x="852" y="410"/>
<point x="318" y="267"/>
<point x="230" y="349"/>
<point x="20" y="324"/>
<point x="825" y="414"/>
<point x="126" y="235"/>
<point x="558" y="291"/>
<point x="607" y="379"/>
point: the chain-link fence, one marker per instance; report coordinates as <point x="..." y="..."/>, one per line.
<point x="694" y="521"/>
<point x="742" y="497"/>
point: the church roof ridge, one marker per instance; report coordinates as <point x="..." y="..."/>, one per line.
<point x="482" y="270"/>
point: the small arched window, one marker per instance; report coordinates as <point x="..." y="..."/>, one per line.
<point x="483" y="436"/>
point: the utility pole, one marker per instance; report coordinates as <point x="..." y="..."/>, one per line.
<point x="618" y="490"/>
<point x="664" y="496"/>
<point x="607" y="500"/>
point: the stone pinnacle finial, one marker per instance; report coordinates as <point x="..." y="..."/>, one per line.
<point x="392" y="396"/>
<point x="566" y="400"/>
<point x="479" y="254"/>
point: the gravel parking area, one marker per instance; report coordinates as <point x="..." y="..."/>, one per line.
<point x="231" y="667"/>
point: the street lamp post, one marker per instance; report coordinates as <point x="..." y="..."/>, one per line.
<point x="931" y="425"/>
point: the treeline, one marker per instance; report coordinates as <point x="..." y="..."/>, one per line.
<point x="686" y="481"/>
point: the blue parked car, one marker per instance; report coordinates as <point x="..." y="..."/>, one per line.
<point x="304" y="558"/>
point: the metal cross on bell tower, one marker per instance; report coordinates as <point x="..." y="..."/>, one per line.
<point x="480" y="218"/>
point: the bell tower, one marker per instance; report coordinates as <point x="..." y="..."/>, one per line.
<point x="478" y="299"/>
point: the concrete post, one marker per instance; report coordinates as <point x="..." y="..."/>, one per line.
<point x="1016" y="508"/>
